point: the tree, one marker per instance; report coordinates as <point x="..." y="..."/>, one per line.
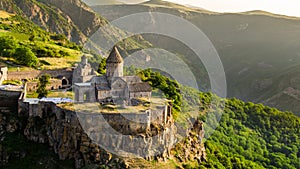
<point x="31" y="38"/>
<point x="25" y="56"/>
<point x="168" y="86"/>
<point x="43" y="81"/>
<point x="102" y="67"/>
<point x="8" y="44"/>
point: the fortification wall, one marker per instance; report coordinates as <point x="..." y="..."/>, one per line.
<point x="33" y="74"/>
<point x="61" y="129"/>
<point x="71" y="138"/>
<point x="54" y="84"/>
<point x="125" y="123"/>
<point x="9" y="100"/>
<point x="159" y="116"/>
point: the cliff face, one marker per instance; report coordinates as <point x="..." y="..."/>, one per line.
<point x="61" y="131"/>
<point x="192" y="147"/>
<point x="69" y="17"/>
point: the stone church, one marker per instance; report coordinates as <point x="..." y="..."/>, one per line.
<point x="112" y="87"/>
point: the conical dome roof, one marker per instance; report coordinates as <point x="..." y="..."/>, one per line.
<point x="114" y="56"/>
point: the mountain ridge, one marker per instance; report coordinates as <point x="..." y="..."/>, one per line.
<point x="58" y="16"/>
<point x="264" y="47"/>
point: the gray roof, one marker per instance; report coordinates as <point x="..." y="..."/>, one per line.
<point x="114" y="56"/>
<point x="132" y="79"/>
<point x="102" y="88"/>
<point x="83" y="84"/>
<point x="99" y="79"/>
<point x="140" y="87"/>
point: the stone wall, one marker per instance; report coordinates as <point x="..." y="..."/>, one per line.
<point x="84" y="93"/>
<point x="9" y="100"/>
<point x="125" y="123"/>
<point x="62" y="130"/>
<point x="158" y="116"/>
<point x="34" y="74"/>
<point x="54" y="85"/>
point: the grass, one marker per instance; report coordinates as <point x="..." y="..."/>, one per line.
<point x="12" y="67"/>
<point x="97" y="108"/>
<point x="62" y="53"/>
<point x="57" y="94"/>
<point x="57" y="63"/>
<point x="52" y="62"/>
<point x="19" y="36"/>
<point x="4" y="14"/>
<point x="12" y="82"/>
<point x="62" y="94"/>
<point x="31" y="95"/>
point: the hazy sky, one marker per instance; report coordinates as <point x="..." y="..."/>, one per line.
<point x="285" y="7"/>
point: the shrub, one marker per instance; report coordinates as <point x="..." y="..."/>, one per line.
<point x="8" y="45"/>
<point x="43" y="81"/>
<point x="25" y="56"/>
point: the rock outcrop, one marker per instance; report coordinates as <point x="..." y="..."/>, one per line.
<point x="70" y="138"/>
<point x="62" y="131"/>
<point x="192" y="147"/>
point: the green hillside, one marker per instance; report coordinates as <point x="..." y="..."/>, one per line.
<point x="57" y="16"/>
<point x="48" y="51"/>
<point x="52" y="50"/>
<point x="253" y="136"/>
<point x="248" y="136"/>
<point x="259" y="50"/>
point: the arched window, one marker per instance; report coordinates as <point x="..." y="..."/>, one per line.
<point x="64" y="82"/>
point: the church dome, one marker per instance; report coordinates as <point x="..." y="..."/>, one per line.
<point x="114" y="56"/>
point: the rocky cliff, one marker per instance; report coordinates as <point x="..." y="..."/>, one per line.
<point x="60" y="130"/>
<point x="69" y="17"/>
<point x="192" y="147"/>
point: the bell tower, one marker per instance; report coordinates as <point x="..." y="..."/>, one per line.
<point x="114" y="64"/>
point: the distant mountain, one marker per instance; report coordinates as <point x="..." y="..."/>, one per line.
<point x="102" y="2"/>
<point x="260" y="51"/>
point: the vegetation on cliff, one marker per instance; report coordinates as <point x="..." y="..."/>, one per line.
<point x="58" y="16"/>
<point x="169" y="87"/>
<point x="248" y="136"/>
<point x="252" y="136"/>
<point x="43" y="81"/>
<point x="24" y="43"/>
